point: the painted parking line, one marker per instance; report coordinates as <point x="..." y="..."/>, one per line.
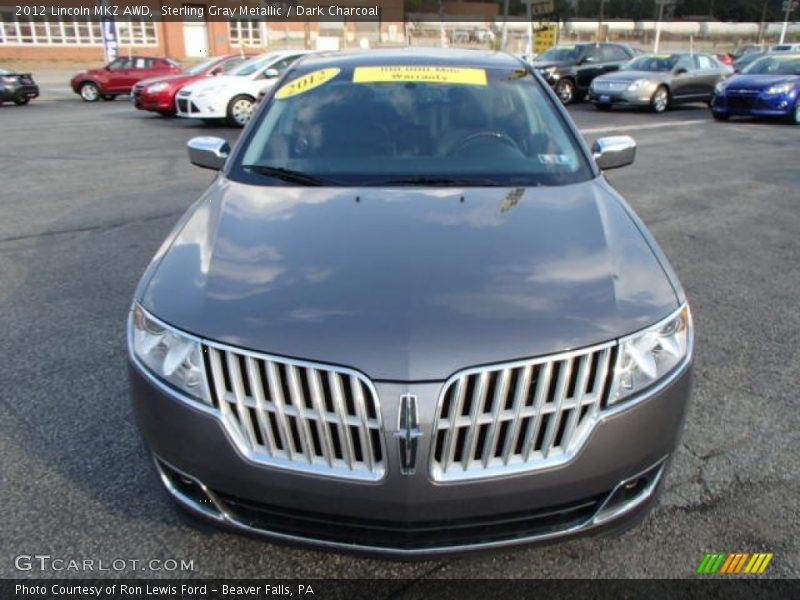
<point x="630" y="127"/>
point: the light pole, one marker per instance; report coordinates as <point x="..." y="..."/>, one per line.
<point x="661" y="5"/>
<point x="600" y="20"/>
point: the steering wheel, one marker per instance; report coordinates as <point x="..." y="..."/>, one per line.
<point x="493" y="135"/>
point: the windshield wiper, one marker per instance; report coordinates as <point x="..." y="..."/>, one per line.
<point x="442" y="181"/>
<point x="289" y="175"/>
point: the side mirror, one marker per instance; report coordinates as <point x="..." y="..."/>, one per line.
<point x="587" y="60"/>
<point x="614" y="152"/>
<point x="271" y="73"/>
<point x="208" y="152"/>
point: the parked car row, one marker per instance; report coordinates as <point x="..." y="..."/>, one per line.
<point x="227" y="88"/>
<point x="765" y="84"/>
<point x="223" y="88"/>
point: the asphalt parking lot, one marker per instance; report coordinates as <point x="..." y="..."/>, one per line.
<point x="87" y="193"/>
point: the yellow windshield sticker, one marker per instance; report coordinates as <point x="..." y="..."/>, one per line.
<point x="419" y="74"/>
<point x="306" y="83"/>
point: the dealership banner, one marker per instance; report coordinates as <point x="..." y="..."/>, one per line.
<point x="207" y="10"/>
<point x="110" y="33"/>
<point x="355" y="589"/>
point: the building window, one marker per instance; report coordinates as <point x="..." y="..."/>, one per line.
<point x="21" y="31"/>
<point x="246" y="32"/>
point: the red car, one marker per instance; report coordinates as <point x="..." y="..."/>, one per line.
<point x="157" y="94"/>
<point x="119" y="76"/>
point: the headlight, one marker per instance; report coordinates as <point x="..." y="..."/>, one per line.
<point x="719" y="88"/>
<point x="781" y="88"/>
<point x="169" y="355"/>
<point x="156" y="87"/>
<point x="647" y="356"/>
<point x="639" y="83"/>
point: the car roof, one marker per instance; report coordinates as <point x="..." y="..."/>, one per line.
<point x="412" y="56"/>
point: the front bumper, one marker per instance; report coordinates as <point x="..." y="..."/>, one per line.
<point x="754" y="104"/>
<point x="161" y="102"/>
<point x="640" y="97"/>
<point x="411" y="515"/>
<point x="200" y="107"/>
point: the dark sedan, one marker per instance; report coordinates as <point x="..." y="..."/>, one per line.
<point x="570" y="69"/>
<point x="18" y="88"/>
<point x="659" y="81"/>
<point x="769" y="87"/>
<point x="410" y="316"/>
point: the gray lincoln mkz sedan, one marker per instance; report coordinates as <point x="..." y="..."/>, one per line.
<point x="410" y="317"/>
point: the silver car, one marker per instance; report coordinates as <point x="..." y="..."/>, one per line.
<point x="410" y="316"/>
<point x="659" y="81"/>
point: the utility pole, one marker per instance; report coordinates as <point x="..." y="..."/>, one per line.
<point x="661" y="4"/>
<point x="788" y="7"/>
<point x="505" y="27"/>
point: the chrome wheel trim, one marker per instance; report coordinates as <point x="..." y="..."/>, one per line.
<point x="242" y="110"/>
<point x="89" y="92"/>
<point x="797" y="113"/>
<point x="660" y="100"/>
<point x="565" y="91"/>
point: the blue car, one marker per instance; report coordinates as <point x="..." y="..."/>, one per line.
<point x="769" y="87"/>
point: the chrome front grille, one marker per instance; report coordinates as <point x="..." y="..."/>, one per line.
<point x="298" y="415"/>
<point x="611" y="85"/>
<point x="518" y="416"/>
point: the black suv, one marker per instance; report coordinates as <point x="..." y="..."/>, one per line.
<point x="570" y="69"/>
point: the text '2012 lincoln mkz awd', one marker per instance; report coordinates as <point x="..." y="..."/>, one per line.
<point x="410" y="316"/>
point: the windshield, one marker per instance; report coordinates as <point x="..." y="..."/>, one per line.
<point x="197" y="69"/>
<point x="253" y="65"/>
<point x="652" y="62"/>
<point x="412" y="125"/>
<point x="559" y="53"/>
<point x="775" y="65"/>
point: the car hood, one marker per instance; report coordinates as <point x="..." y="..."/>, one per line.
<point x="408" y="284"/>
<point x="221" y="81"/>
<point x="758" y="82"/>
<point x="179" y="79"/>
<point x="545" y="64"/>
<point x="632" y="76"/>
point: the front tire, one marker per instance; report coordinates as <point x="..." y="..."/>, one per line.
<point x="565" y="90"/>
<point x="21" y="101"/>
<point x="89" y="92"/>
<point x="240" y="109"/>
<point x="660" y="100"/>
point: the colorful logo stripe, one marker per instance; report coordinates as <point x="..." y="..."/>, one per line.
<point x="734" y="563"/>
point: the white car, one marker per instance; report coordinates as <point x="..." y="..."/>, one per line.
<point x="232" y="97"/>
